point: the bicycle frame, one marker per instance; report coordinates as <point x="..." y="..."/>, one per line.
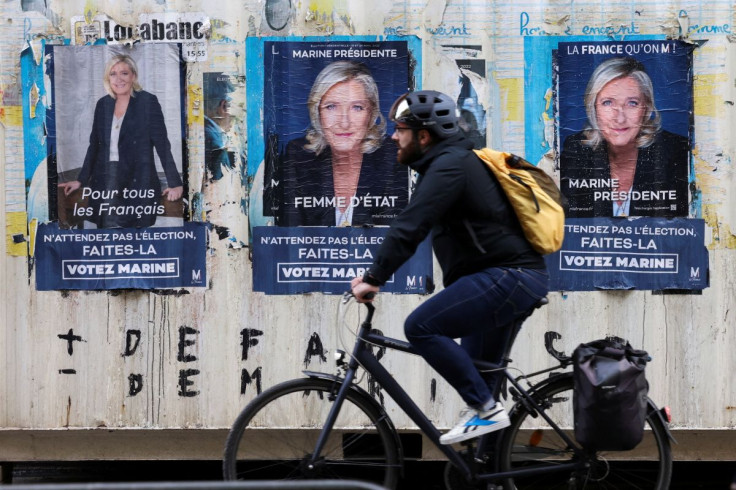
<point x="362" y="356"/>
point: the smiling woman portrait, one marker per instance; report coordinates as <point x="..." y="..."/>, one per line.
<point x="623" y="163"/>
<point x="343" y="171"/>
<point x="118" y="185"/>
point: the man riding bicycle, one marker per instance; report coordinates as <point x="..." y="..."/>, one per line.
<point x="492" y="276"/>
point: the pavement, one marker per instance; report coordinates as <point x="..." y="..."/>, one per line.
<point x="418" y="475"/>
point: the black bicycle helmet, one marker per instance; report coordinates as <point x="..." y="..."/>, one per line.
<point x="427" y="109"/>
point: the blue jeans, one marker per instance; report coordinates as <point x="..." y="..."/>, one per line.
<point x="479" y="309"/>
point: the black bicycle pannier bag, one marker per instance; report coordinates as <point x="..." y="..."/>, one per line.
<point x="610" y="396"/>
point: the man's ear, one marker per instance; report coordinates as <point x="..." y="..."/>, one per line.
<point x="424" y="137"/>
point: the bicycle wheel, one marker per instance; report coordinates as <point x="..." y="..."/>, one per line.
<point x="276" y="432"/>
<point x="530" y="441"/>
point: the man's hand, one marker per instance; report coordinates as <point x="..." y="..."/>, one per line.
<point x="360" y="289"/>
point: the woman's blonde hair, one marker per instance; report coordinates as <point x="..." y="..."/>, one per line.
<point x="332" y="74"/>
<point x="121" y="58"/>
<point x="606" y="72"/>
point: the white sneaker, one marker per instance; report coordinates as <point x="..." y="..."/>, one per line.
<point x="475" y="423"/>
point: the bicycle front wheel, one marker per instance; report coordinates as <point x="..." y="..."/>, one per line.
<point x="529" y="441"/>
<point x="275" y="436"/>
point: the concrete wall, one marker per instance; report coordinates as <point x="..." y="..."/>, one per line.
<point x="196" y="335"/>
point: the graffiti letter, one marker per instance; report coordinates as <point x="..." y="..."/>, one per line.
<point x="247" y="340"/>
<point x="184" y="382"/>
<point x="183" y="343"/>
<point x="70" y="339"/>
<point x="130" y="349"/>
<point x="247" y="378"/>
<point x="375" y="389"/>
<point x="314" y="349"/>
<point x="135" y="384"/>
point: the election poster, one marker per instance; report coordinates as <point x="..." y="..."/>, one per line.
<point x="223" y="151"/>
<point x="115" y="153"/>
<point x="293" y="261"/>
<point x="470" y="61"/>
<point x="319" y="145"/>
<point x="120" y="258"/>
<point x="625" y="117"/>
<point x="329" y="160"/>
<point x="472" y="113"/>
<point x="627" y="226"/>
<point x="634" y="253"/>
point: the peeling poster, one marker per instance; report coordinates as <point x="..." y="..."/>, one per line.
<point x="327" y="162"/>
<point x="116" y="165"/>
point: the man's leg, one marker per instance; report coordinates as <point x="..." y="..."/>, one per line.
<point x="474" y="304"/>
<point x="479" y="303"/>
<point x="489" y="346"/>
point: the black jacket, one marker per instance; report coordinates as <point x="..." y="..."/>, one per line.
<point x="473" y="226"/>
<point x="142" y="131"/>
<point x="383" y="187"/>
<point x="662" y="166"/>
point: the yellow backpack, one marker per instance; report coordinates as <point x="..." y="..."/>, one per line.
<point x="536" y="199"/>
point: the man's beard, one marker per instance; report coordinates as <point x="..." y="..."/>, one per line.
<point x="410" y="153"/>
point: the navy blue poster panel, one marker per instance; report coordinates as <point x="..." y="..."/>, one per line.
<point x="312" y="259"/>
<point x="625" y="117"/>
<point x="116" y="140"/>
<point x="121" y="258"/>
<point x="635" y="253"/>
<point x="328" y="161"/>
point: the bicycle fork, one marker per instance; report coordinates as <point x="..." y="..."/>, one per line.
<point x="345" y="385"/>
<point x="342" y="393"/>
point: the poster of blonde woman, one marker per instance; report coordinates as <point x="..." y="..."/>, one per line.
<point x="624" y="127"/>
<point x="322" y="166"/>
<point x="330" y="158"/>
<point x="117" y="172"/>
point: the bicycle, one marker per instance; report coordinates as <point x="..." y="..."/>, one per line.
<point x="327" y="426"/>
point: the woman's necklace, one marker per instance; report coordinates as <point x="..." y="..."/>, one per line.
<point x="624" y="182"/>
<point x="619" y="208"/>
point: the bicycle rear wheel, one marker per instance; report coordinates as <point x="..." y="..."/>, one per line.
<point x="276" y="433"/>
<point x="530" y="441"/>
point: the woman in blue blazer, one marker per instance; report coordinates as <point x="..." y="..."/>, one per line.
<point x="118" y="177"/>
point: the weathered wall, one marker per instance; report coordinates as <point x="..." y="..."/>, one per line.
<point x="196" y="336"/>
